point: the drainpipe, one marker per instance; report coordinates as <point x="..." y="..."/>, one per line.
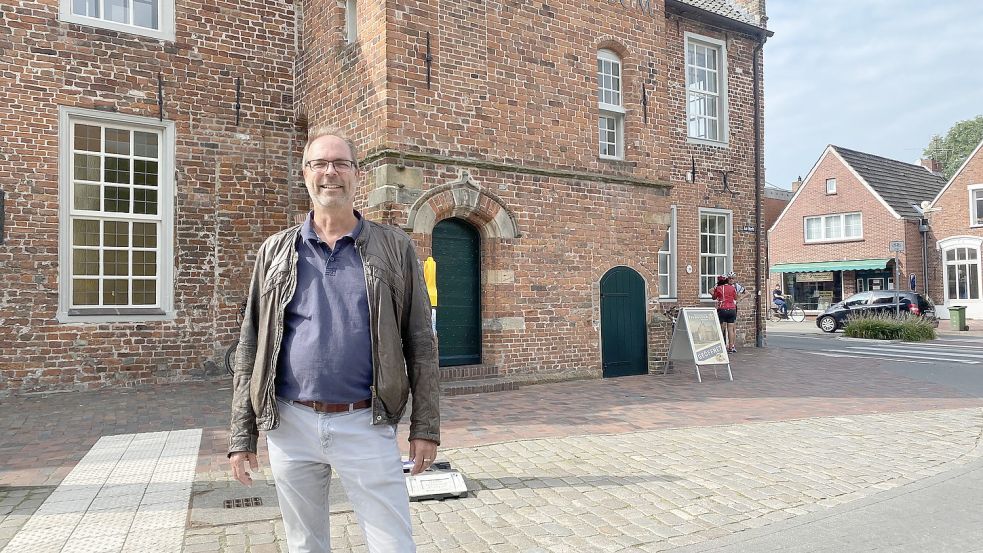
<point x="759" y="339"/>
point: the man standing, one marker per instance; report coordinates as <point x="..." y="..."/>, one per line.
<point x="336" y="334"/>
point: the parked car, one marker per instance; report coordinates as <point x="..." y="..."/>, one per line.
<point x="877" y="301"/>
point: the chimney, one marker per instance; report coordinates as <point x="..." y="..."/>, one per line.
<point x="757" y="10"/>
<point x="932" y="165"/>
<point x="796" y="184"/>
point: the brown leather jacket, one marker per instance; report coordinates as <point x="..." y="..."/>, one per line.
<point x="404" y="350"/>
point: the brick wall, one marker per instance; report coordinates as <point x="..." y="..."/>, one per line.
<point x="951" y="217"/>
<point x="225" y="177"/>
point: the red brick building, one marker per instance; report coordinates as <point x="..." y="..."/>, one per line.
<point x="956" y="219"/>
<point x="834" y="238"/>
<point x="571" y="166"/>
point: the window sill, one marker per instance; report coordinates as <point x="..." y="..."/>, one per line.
<point x="706" y="142"/>
<point x="836" y="241"/>
<point x="163" y="34"/>
<point x="668" y="299"/>
<point x="114" y="315"/>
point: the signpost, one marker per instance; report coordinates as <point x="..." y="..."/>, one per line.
<point x="896" y="246"/>
<point x="698" y="337"/>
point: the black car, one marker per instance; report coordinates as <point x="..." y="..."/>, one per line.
<point x="877" y="301"/>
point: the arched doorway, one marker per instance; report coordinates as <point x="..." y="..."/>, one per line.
<point x="624" y="348"/>
<point x="456" y="249"/>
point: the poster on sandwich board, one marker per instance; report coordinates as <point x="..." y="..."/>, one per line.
<point x="698" y="337"/>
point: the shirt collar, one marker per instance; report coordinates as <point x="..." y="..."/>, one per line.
<point x="307" y="231"/>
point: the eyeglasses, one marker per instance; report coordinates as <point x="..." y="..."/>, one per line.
<point x="340" y="165"/>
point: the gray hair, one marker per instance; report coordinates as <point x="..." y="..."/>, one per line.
<point x="328" y="130"/>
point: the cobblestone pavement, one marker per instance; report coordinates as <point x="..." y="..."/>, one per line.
<point x="642" y="463"/>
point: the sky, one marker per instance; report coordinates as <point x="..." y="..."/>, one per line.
<point x="878" y="76"/>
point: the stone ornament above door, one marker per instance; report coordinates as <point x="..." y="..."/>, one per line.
<point x="463" y="198"/>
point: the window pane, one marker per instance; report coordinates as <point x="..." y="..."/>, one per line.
<point x="144" y="172"/>
<point x="145" y="201"/>
<point x="117" y="170"/>
<point x="117" y="199"/>
<point x="85" y="232"/>
<point x="145" y="144"/>
<point x="115" y="262"/>
<point x="144" y="263"/>
<point x="85" y="292"/>
<point x="85" y="262"/>
<point x="118" y="141"/>
<point x="88" y="137"/>
<point x="115" y="292"/>
<point x="145" y="13"/>
<point x="144" y="235"/>
<point x="832" y="228"/>
<point x="950" y="255"/>
<point x="116" y="234"/>
<point x="118" y="11"/>
<point x="144" y="292"/>
<point x="86" y="196"/>
<point x="971" y="253"/>
<point x="88" y="8"/>
<point x="86" y="167"/>
<point x="960" y="254"/>
<point x="974" y="281"/>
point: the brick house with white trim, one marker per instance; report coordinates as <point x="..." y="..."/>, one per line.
<point x="834" y="237"/>
<point x="956" y="220"/>
<point x="572" y="166"/>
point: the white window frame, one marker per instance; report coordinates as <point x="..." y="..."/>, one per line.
<point x="668" y="270"/>
<point x="830" y="186"/>
<point x="822" y="228"/>
<point x="351" y="21"/>
<point x="615" y="112"/>
<point x="728" y="242"/>
<point x="722" y="112"/>
<point x="67" y="117"/>
<point x="165" y="17"/>
<point x="948" y="266"/>
<point x="975" y="215"/>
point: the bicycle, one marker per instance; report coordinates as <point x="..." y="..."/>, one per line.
<point x="792" y="312"/>
<point x="230" y="354"/>
<point x="671" y="312"/>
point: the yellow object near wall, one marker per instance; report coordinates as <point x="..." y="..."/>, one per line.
<point x="430" y="275"/>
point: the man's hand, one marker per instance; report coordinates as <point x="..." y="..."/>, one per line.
<point x="239" y="459"/>
<point x="423" y="453"/>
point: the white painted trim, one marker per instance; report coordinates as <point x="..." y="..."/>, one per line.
<point x="956" y="174"/>
<point x="673" y="276"/>
<point x="822" y="223"/>
<point x="866" y="184"/>
<point x="801" y="188"/>
<point x="972" y="205"/>
<point x="165" y="18"/>
<point x="729" y="262"/>
<point x="722" y="77"/>
<point x="954" y="242"/>
<point x="833" y="180"/>
<point x="167" y="192"/>
<point x="962" y="241"/>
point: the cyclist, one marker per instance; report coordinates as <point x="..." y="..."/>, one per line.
<point x="779" y="300"/>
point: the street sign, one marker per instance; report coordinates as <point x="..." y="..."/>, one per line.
<point x="897" y="246"/>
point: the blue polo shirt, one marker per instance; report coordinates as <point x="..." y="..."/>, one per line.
<point x="326" y="352"/>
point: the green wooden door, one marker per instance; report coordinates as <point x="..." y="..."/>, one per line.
<point x="624" y="349"/>
<point x="456" y="251"/>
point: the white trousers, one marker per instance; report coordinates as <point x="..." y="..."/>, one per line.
<point x="304" y="449"/>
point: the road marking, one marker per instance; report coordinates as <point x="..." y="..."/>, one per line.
<point x="129" y="493"/>
<point x="905" y="353"/>
<point x="910" y="350"/>
<point x="825" y="354"/>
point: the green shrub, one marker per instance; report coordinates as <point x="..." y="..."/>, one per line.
<point x="907" y="327"/>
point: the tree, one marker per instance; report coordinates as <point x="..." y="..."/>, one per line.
<point x="952" y="149"/>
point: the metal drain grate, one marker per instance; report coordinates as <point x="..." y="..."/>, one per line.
<point x="243" y="502"/>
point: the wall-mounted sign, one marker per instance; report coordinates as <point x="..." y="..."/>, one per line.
<point x="826" y="276"/>
<point x="645" y="6"/>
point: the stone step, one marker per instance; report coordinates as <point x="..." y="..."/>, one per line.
<point x="468" y="372"/>
<point x="478" y="386"/>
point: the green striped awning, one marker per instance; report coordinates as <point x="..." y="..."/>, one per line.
<point x="854" y="265"/>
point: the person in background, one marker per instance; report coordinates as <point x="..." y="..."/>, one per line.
<point x="726" y="295"/>
<point x="778" y="299"/>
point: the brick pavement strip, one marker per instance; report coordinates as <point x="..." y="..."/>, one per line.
<point x="657" y="490"/>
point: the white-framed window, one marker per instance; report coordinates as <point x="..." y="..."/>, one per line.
<point x="116" y="201"/>
<point x="706" y="89"/>
<point x="962" y="273"/>
<point x="610" y="103"/>
<point x="351" y="21"/>
<point x="667" y="260"/>
<point x="831" y="186"/>
<point x="826" y="228"/>
<point x="151" y="18"/>
<point x="975" y="205"/>
<point x="715" y="247"/>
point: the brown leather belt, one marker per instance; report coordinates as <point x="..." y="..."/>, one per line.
<point x="322" y="407"/>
